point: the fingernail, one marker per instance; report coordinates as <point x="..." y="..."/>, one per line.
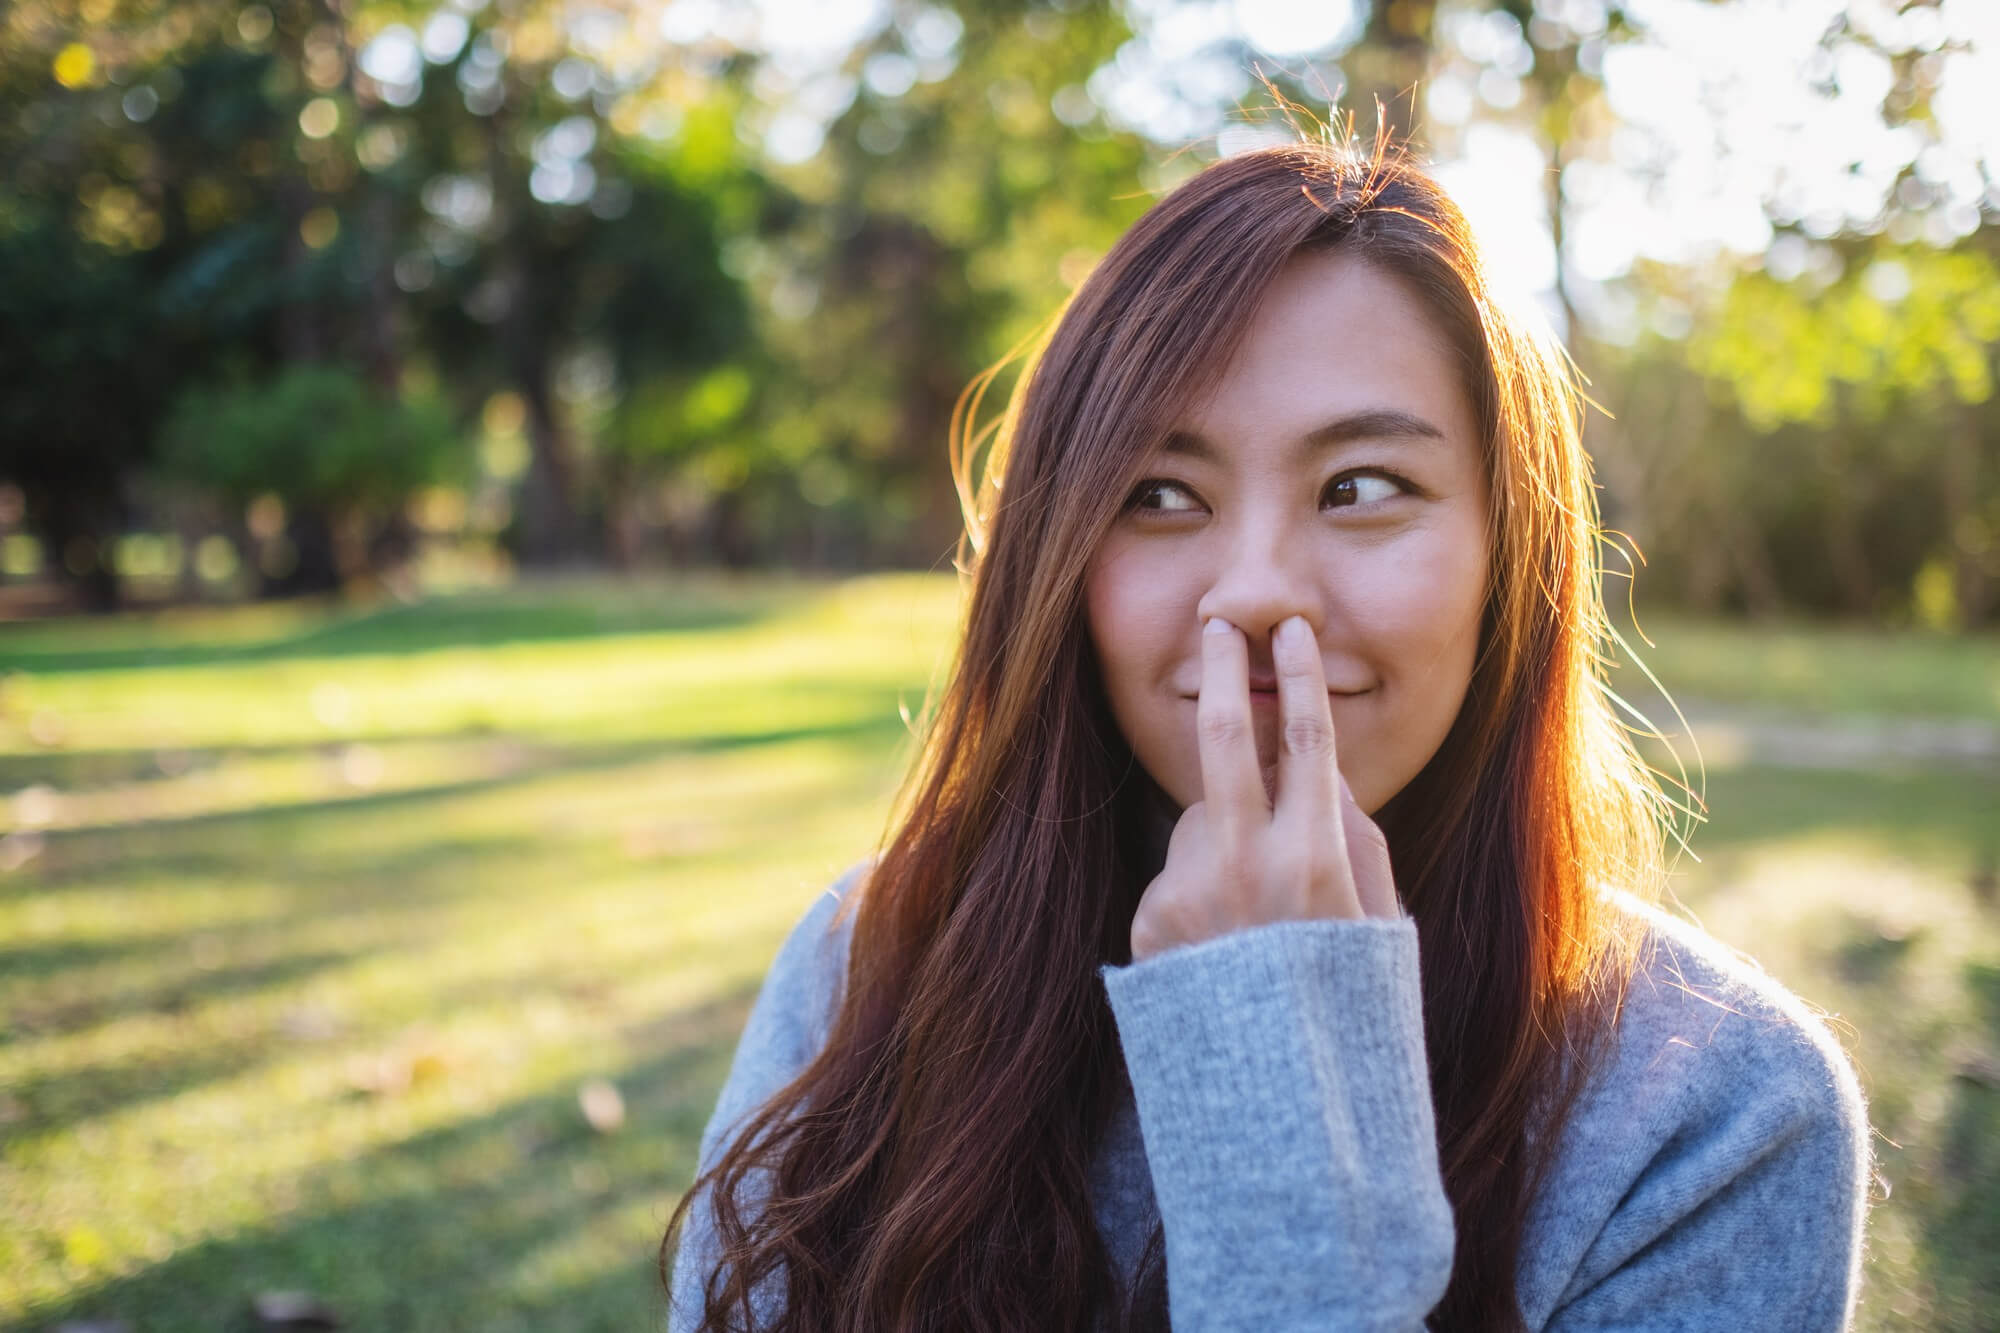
<point x="1217" y="625"/>
<point x="1292" y="626"/>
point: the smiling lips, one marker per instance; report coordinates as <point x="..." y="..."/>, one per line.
<point x="1260" y="698"/>
<point x="1262" y="692"/>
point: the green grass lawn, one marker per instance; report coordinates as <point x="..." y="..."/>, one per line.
<point x="1816" y="670"/>
<point x="314" y="924"/>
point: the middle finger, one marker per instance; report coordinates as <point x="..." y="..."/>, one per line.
<point x="1307" y="760"/>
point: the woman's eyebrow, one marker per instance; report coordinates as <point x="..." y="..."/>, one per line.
<point x="1375" y="423"/>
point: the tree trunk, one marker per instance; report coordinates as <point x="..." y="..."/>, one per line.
<point x="1847" y="554"/>
<point x="315" y="566"/>
<point x="726" y="538"/>
<point x="385" y="365"/>
<point x="1388" y="67"/>
<point x="1971" y="548"/>
<point x="1763" y="597"/>
<point x="624" y="519"/>
<point x="549" y="530"/>
<point x="84" y="523"/>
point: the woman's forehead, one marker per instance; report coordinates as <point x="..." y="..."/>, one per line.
<point x="1336" y="349"/>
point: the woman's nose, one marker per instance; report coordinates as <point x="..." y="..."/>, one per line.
<point x="1263" y="580"/>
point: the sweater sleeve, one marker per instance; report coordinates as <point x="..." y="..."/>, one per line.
<point x="1284" y="1100"/>
<point x="786" y="1028"/>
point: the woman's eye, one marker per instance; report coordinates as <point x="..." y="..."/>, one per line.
<point x="1359" y="488"/>
<point x="1168" y="496"/>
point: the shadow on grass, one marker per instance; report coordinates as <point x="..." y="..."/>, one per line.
<point x="53" y="1101"/>
<point x="176" y="991"/>
<point x="312" y="881"/>
<point x="471" y="620"/>
<point x="75" y="854"/>
<point x="33" y="962"/>
<point x="1937" y="813"/>
<point x="1962" y="1233"/>
<point x="506" y="1221"/>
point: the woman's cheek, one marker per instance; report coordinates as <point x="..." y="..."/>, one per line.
<point x="1126" y="626"/>
<point x="1142" y="614"/>
<point x="1425" y="597"/>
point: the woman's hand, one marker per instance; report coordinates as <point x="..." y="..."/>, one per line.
<point x="1237" y="857"/>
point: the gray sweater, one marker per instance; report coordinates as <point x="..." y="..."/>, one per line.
<point x="1712" y="1174"/>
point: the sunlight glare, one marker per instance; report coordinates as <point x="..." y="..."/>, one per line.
<point x="1487" y="180"/>
<point x="1298" y="27"/>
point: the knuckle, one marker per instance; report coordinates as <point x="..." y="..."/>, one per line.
<point x="1292" y="870"/>
<point x="1230" y="849"/>
<point x="1223" y="728"/>
<point x="1307" y="736"/>
<point x="1327" y="867"/>
<point x="1238" y="859"/>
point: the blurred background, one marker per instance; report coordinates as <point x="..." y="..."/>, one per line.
<point x="474" y="528"/>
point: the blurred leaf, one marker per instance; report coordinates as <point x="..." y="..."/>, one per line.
<point x="1791" y="355"/>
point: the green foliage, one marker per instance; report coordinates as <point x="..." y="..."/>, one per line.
<point x="717" y="356"/>
<point x="1915" y="323"/>
<point x="1823" y="446"/>
<point x="669" y="418"/>
<point x="76" y="383"/>
<point x="315" y="435"/>
<point x="937" y="228"/>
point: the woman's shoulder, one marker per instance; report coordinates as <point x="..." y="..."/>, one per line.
<point x="1694" y="1001"/>
<point x="794" y="1009"/>
<point x="1713" y="1066"/>
<point x="1721" y="1124"/>
<point x="806" y="976"/>
<point x="822" y="929"/>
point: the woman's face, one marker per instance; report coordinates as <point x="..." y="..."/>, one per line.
<point x="1335" y="474"/>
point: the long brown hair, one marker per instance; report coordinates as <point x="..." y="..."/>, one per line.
<point x="928" y="1169"/>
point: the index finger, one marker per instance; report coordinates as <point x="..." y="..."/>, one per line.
<point x="1232" y="782"/>
<point x="1307" y="761"/>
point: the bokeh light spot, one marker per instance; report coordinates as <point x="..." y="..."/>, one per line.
<point x="319" y="227"/>
<point x="319" y="118"/>
<point x="75" y="65"/>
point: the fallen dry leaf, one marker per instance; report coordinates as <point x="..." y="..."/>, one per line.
<point x="602" y="1105"/>
<point x="292" y="1309"/>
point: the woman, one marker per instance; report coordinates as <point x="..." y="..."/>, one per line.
<point x="1249" y="946"/>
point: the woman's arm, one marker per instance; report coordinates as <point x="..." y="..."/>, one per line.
<point x="786" y="1028"/>
<point x="1716" y="1174"/>
<point x="1282" y="1091"/>
<point x="1273" y="1032"/>
<point x="1759" y="1230"/>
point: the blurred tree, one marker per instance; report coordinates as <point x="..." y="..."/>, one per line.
<point x="158" y="142"/>
<point x="1390" y="66"/>
<point x="105" y="258"/>
<point x="1877" y="379"/>
<point x="558" y="215"/>
<point x="1815" y="428"/>
<point x="620" y="275"/>
<point x="316" y="182"/>
<point x="74" y="415"/>
<point x="967" y="187"/>
<point x="322" y="440"/>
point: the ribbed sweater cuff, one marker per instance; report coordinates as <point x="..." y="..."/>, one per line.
<point x="1284" y="1099"/>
